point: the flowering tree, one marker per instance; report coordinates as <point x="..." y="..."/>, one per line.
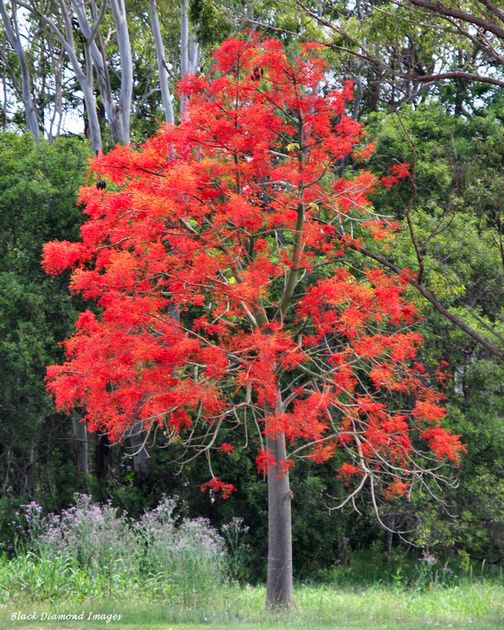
<point x="216" y="258"/>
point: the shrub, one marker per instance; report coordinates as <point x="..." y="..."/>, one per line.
<point x="90" y="547"/>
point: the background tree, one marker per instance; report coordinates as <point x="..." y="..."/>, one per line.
<point x="111" y="70"/>
<point x="404" y="46"/>
<point x="455" y="218"/>
<point x="14" y="38"/>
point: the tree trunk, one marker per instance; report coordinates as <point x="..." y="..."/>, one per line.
<point x="189" y="49"/>
<point x="161" y="63"/>
<point x="102" y="455"/>
<point x="84" y="77"/>
<point x="118" y="8"/>
<point x="81" y="439"/>
<point x="93" y="122"/>
<point x="140" y="453"/>
<point x="279" y="584"/>
<point x="184" y="48"/>
<point x="95" y="58"/>
<point x="12" y="32"/>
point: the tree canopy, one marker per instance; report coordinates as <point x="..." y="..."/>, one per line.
<point x="216" y="261"/>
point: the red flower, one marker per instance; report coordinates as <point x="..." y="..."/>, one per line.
<point x="347" y="470"/>
<point x="264" y="461"/>
<point x="443" y="443"/>
<point x="217" y="485"/>
<point x="396" y="489"/>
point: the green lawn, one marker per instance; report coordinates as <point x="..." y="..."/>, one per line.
<point x="477" y="605"/>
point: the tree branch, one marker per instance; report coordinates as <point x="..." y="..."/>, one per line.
<point x="445" y="12"/>
<point x="428" y="295"/>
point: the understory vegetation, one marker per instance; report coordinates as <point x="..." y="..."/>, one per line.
<point x="92" y="551"/>
<point x="160" y="568"/>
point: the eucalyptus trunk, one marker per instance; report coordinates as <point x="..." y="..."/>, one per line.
<point x="189" y="49"/>
<point x="14" y="38"/>
<point x="161" y="63"/>
<point x="123" y="109"/>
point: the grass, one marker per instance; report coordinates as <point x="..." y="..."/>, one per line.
<point x="477" y="605"/>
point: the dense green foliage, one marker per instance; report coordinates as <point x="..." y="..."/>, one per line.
<point x="456" y="218"/>
<point x="37" y="201"/>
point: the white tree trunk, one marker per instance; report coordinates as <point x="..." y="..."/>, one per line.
<point x="84" y="77"/>
<point x="184" y="53"/>
<point x="90" y="102"/>
<point x="12" y="31"/>
<point x="126" y="94"/>
<point x="118" y="114"/>
<point x="161" y="64"/>
<point x="98" y="60"/>
<point x="189" y="50"/>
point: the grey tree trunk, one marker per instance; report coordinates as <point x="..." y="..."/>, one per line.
<point x="96" y="56"/>
<point x="93" y="121"/>
<point x="184" y="44"/>
<point x="189" y="49"/>
<point x="161" y="64"/>
<point x="81" y="439"/>
<point x="279" y="582"/>
<point x="118" y="8"/>
<point x="140" y="454"/>
<point x="12" y="32"/>
<point x="117" y="114"/>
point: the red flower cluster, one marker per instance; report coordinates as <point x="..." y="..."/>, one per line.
<point x="217" y="485"/>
